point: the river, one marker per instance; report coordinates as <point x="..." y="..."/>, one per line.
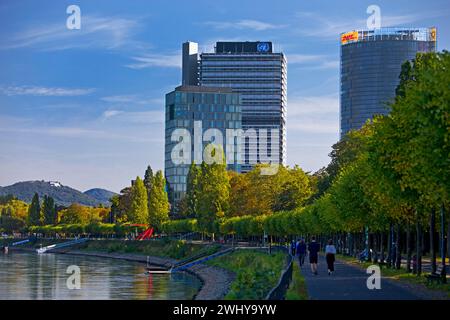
<point x="26" y="275"/>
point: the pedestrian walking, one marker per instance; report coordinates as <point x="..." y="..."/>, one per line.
<point x="301" y="251"/>
<point x="293" y="246"/>
<point x="330" y="256"/>
<point x="313" y="249"/>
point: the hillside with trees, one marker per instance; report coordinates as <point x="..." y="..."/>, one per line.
<point x="62" y="195"/>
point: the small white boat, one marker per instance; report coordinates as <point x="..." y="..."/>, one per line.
<point x="44" y="249"/>
<point x="41" y="250"/>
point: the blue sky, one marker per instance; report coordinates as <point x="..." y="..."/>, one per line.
<point x="85" y="107"/>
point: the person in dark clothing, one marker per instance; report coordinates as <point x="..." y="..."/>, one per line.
<point x="301" y="251"/>
<point x="313" y="249"/>
<point x="330" y="254"/>
<point x="293" y="246"/>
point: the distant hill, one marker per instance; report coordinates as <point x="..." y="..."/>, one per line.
<point x="100" y="195"/>
<point x="63" y="195"/>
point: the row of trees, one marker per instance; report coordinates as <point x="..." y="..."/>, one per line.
<point x="76" y="229"/>
<point x="145" y="202"/>
<point x="16" y="215"/>
<point x="385" y="181"/>
<point x="42" y="214"/>
<point x="215" y="194"/>
<point x="47" y="213"/>
<point x="13" y="213"/>
<point x="392" y="175"/>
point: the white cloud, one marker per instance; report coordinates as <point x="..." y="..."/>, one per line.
<point x="315" y="126"/>
<point x="95" y="32"/>
<point x="153" y="60"/>
<point x="320" y="65"/>
<point x="44" y="91"/>
<point x="90" y="133"/>
<point x="243" y="24"/>
<point x="313" y="105"/>
<point x="68" y="132"/>
<point x="132" y="99"/>
<point x="312" y="128"/>
<point x="141" y="117"/>
<point x="310" y="61"/>
<point x="119" y="98"/>
<point x="317" y="114"/>
<point x="303" y="58"/>
<point x="330" y="64"/>
<point x="111" y="113"/>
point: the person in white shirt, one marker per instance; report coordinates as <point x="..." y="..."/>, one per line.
<point x="330" y="255"/>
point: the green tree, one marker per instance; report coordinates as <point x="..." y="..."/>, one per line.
<point x="139" y="203"/>
<point x="148" y="183"/>
<point x="291" y="188"/>
<point x="192" y="190"/>
<point x="252" y="193"/>
<point x="9" y="222"/>
<point x="414" y="141"/>
<point x="75" y="214"/>
<point x="114" y="213"/>
<point x="158" y="202"/>
<point x="120" y="206"/>
<point x="213" y="200"/>
<point x="34" y="212"/>
<point x="49" y="210"/>
<point x="148" y="178"/>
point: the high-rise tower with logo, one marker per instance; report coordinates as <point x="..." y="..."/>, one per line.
<point x="259" y="75"/>
<point x="371" y="62"/>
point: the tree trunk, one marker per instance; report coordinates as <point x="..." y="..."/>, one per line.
<point x="398" y="251"/>
<point x="418" y="247"/>
<point x="408" y="248"/>
<point x="368" y="244"/>
<point x="448" y="238"/>
<point x="349" y="244"/>
<point x="389" y="258"/>
<point x="432" y="242"/>
<point x="375" y="247"/>
<point x="382" y="247"/>
<point x="444" y="273"/>
<point x="270" y="245"/>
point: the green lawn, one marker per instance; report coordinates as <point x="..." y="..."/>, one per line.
<point x="176" y="249"/>
<point x="297" y="289"/>
<point x="256" y="272"/>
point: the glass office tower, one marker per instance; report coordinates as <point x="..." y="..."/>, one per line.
<point x="370" y="67"/>
<point x="195" y="110"/>
<point x="259" y="75"/>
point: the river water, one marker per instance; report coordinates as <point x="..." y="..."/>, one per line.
<point x="25" y="275"/>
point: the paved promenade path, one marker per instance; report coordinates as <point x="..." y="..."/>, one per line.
<point x="349" y="283"/>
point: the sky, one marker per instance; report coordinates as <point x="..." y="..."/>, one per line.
<point x="86" y="107"/>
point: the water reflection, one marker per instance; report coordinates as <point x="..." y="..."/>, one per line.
<point x="32" y="276"/>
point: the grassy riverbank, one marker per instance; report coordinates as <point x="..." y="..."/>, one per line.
<point x="256" y="272"/>
<point x="297" y="289"/>
<point x="175" y="249"/>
